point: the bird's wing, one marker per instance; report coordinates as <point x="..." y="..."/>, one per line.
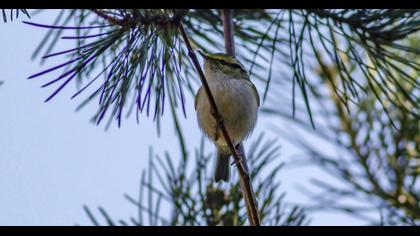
<point x="199" y="92"/>
<point x="257" y="96"/>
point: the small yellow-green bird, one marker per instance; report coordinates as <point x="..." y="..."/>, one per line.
<point x="237" y="101"/>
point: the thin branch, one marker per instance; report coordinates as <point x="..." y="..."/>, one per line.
<point x="227" y="19"/>
<point x="111" y="19"/>
<point x="246" y="186"/>
<point x="133" y="21"/>
<point x="248" y="192"/>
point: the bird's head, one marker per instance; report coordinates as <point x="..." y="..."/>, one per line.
<point x="225" y="64"/>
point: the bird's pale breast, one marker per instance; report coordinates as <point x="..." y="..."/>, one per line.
<point x="237" y="103"/>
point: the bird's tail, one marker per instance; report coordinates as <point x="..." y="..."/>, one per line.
<point x="222" y="170"/>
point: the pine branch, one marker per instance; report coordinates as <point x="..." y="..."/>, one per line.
<point x="378" y="163"/>
<point x="14" y="12"/>
<point x="139" y="19"/>
<point x="135" y="50"/>
<point x="369" y="38"/>
<point x="193" y="198"/>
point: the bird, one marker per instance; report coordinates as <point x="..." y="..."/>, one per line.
<point x="237" y="101"/>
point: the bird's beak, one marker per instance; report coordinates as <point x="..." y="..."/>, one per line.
<point x="202" y="53"/>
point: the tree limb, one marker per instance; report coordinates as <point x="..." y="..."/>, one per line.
<point x="227" y="19"/>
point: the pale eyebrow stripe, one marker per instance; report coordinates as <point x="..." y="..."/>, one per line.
<point x="235" y="64"/>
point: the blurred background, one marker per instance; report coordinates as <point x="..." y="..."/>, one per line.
<point x="57" y="166"/>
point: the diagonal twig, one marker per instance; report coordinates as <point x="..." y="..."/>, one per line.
<point x="246" y="186"/>
<point x="245" y="180"/>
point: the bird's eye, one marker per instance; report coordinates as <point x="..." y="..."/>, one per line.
<point x="236" y="66"/>
<point x="233" y="65"/>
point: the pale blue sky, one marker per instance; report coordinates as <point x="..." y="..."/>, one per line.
<point x="53" y="160"/>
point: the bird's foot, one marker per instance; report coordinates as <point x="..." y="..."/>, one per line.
<point x="235" y="162"/>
